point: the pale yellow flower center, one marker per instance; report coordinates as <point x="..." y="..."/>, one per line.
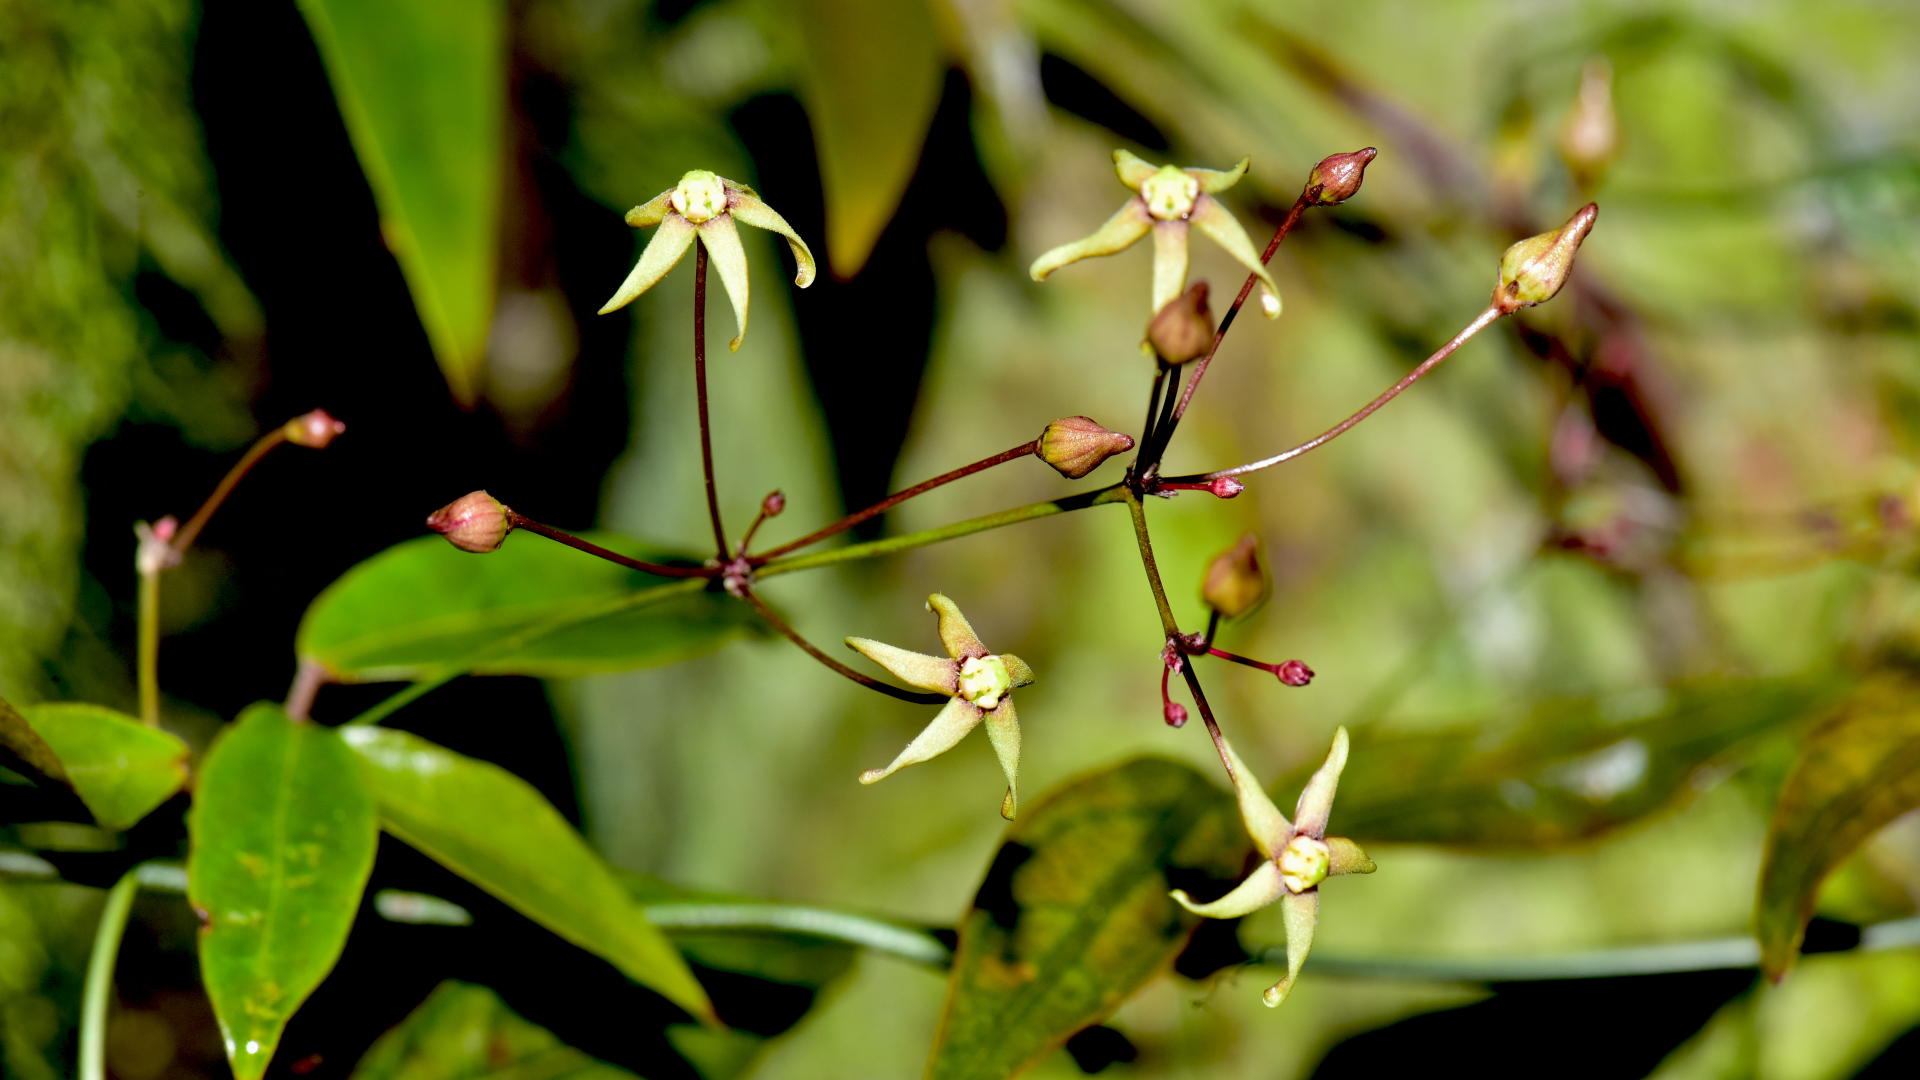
<point x="1170" y="193"/>
<point x="984" y="679"/>
<point x="1304" y="862"/>
<point x="700" y="197"/>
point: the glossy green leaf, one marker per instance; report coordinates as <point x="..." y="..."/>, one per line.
<point x="283" y="831"/>
<point x="422" y="87"/>
<point x="425" y="603"/>
<point x="118" y="766"/>
<point x="1856" y="773"/>
<point x="464" y="1032"/>
<point x="1074" y="915"/>
<point x="870" y="80"/>
<point x="494" y="829"/>
<point x="1569" y="772"/>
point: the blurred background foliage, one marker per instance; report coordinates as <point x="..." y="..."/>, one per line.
<point x="1579" y="595"/>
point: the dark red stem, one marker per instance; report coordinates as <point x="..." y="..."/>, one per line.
<point x="521" y="521"/>
<point x="1206" y="714"/>
<point x="700" y="389"/>
<point x="870" y="683"/>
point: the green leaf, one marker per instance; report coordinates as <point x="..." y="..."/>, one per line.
<point x="494" y="829"/>
<point x="464" y="1032"/>
<point x="17" y="737"/>
<point x="425" y="603"/>
<point x="119" y="767"/>
<point x="1074" y="915"/>
<point x="1856" y="773"/>
<point x="283" y="832"/>
<point x="1569" y="772"/>
<point x="422" y="87"/>
<point x="870" y="79"/>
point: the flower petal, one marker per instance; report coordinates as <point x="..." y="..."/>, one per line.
<point x="1169" y="261"/>
<point x="955" y="632"/>
<point x="1003" y="730"/>
<point x="1345" y="857"/>
<point x="746" y="207"/>
<point x="1017" y="670"/>
<point x="1265" y="823"/>
<point x="652" y="212"/>
<point x="670" y="242"/>
<point x="1127" y="225"/>
<point x="1260" y="888"/>
<point x="1316" y="802"/>
<point x="730" y="259"/>
<point x="915" y="669"/>
<point x="1214" y="220"/>
<point x="1214" y="180"/>
<point x="937" y="738"/>
<point x="1131" y="169"/>
<point x="1302" y="914"/>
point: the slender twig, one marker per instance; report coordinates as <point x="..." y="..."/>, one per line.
<point x="147" y="645"/>
<point x="894" y="500"/>
<point x="1162" y="430"/>
<point x="190" y="532"/>
<point x="806" y="646"/>
<point x="1480" y="323"/>
<point x="1170" y="625"/>
<point x="96" y="997"/>
<point x="759" y="519"/>
<point x="521" y="521"/>
<point x="1206" y="715"/>
<point x="1160" y="370"/>
<point x="907" y="942"/>
<point x="700" y="391"/>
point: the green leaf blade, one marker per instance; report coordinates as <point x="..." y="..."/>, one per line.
<point x="120" y="768"/>
<point x="494" y="829"/>
<point x="464" y="1032"/>
<point x="283" y="830"/>
<point x="1075" y="916"/>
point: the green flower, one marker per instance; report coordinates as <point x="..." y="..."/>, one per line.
<point x="979" y="684"/>
<point x="1168" y="199"/>
<point x="706" y="205"/>
<point x="1295" y="858"/>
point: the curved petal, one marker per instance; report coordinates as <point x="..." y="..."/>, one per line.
<point x="1214" y="220"/>
<point x="1017" y="670"/>
<point x="1345" y="857"/>
<point x="1127" y="225"/>
<point x="1316" y="801"/>
<point x="651" y="212"/>
<point x="937" y="738"/>
<point x="670" y="242"/>
<point x="915" y="669"/>
<point x="730" y="259"/>
<point x="1265" y="823"/>
<point x="1132" y="170"/>
<point x="744" y="205"/>
<point x="1261" y="888"/>
<point x="1301" y="911"/>
<point x="1003" y="730"/>
<point x="956" y="633"/>
<point x="1214" y="180"/>
<point x="1169" y="261"/>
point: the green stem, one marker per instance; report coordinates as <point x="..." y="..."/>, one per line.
<point x="99" y="986"/>
<point x="1139" y="512"/>
<point x="908" y="943"/>
<point x="147" y="649"/>
<point x="892" y="544"/>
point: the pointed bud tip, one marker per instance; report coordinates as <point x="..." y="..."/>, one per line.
<point x="475" y="522"/>
<point x="773" y="504"/>
<point x="1338" y="176"/>
<point x="1295" y="673"/>
<point x="1075" y="445"/>
<point x="1236" y="582"/>
<point x="1183" y="329"/>
<point x="314" y="429"/>
<point x="1534" y="270"/>
<point x="1226" y="487"/>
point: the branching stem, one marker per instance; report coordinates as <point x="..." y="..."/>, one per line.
<point x="806" y="646"/>
<point x="1169" y="625"/>
<point x="521" y="521"/>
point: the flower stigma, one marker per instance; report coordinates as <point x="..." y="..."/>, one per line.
<point x="1304" y="863"/>
<point x="699" y="197"/>
<point x="983" y="679"/>
<point x="1170" y="194"/>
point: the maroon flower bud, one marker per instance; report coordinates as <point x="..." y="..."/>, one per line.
<point x="1183" y="329"/>
<point x="476" y="522"/>
<point x="773" y="504"/>
<point x="1295" y="673"/>
<point x="1075" y="446"/>
<point x="1337" y="178"/>
<point x="1236" y="583"/>
<point x="1176" y="714"/>
<point x="1226" y="487"/>
<point x="315" y="429"/>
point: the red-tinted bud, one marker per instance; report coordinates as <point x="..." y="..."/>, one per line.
<point x="476" y="522"/>
<point x="1226" y="487"/>
<point x="315" y="429"/>
<point x="1075" y="446"/>
<point x="1337" y="178"/>
<point x="1183" y="329"/>
<point x="773" y="504"/>
<point x="1295" y="673"/>
<point x="1176" y="714"/>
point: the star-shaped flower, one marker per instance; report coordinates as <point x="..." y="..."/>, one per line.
<point x="706" y="205"/>
<point x="1168" y="199"/>
<point x="979" y="683"/>
<point x="1295" y="858"/>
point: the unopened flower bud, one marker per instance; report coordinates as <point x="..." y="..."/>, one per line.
<point x="476" y="522"/>
<point x="1337" y="178"/>
<point x="773" y="504"/>
<point x="314" y="429"/>
<point x="1226" y="487"/>
<point x="1590" y="137"/>
<point x="1236" y="583"/>
<point x="1295" y="673"/>
<point x="1176" y="714"/>
<point x="1075" y="446"/>
<point x="1534" y="269"/>
<point x="1183" y="329"/>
